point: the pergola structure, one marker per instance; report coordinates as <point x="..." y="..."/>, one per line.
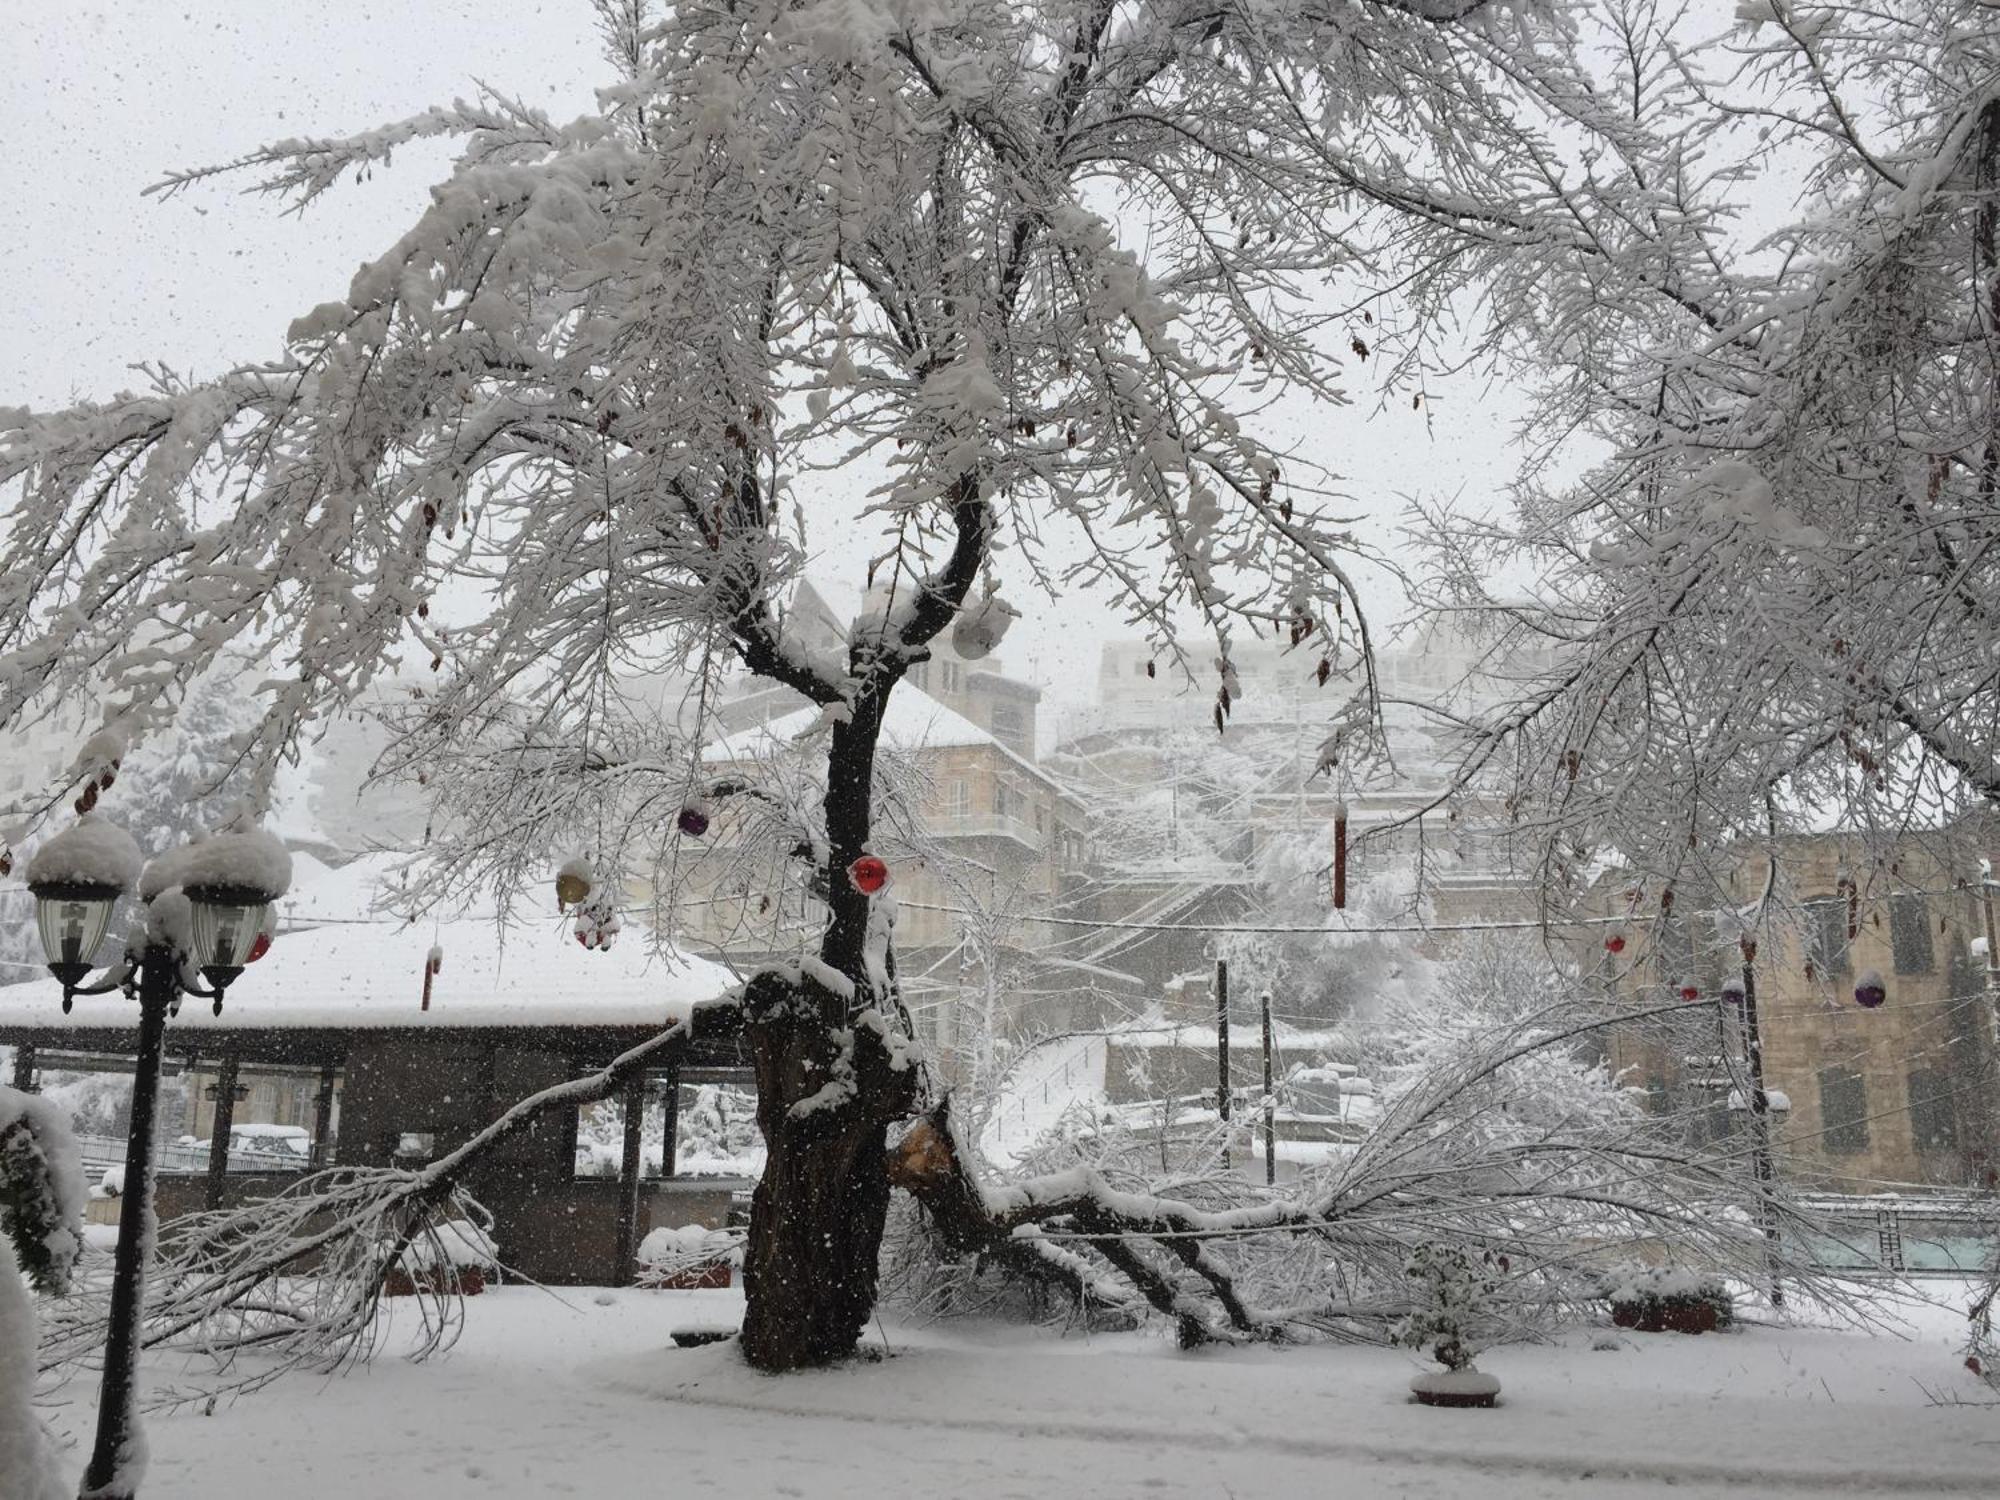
<point x="421" y="1066"/>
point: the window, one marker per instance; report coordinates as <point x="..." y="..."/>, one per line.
<point x="1826" y="935"/>
<point x="1006" y="801"/>
<point x="1658" y="1100"/>
<point x="1933" y="1117"/>
<point x="1910" y="933"/>
<point x="948" y="676"/>
<point x="1007" y="721"/>
<point x="920" y="674"/>
<point x="1843" y="1111"/>
<point x="958" y="799"/>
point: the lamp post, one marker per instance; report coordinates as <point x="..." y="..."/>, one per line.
<point x="201" y="921"/>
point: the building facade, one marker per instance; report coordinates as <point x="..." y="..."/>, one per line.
<point x="1874" y="1003"/>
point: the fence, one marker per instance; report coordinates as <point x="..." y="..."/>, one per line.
<point x="1906" y="1235"/>
<point x="101" y="1153"/>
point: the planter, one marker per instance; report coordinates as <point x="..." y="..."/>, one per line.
<point x="1467" y="1388"/>
<point x="465" y="1281"/>
<point x="710" y="1278"/>
<point x="1673" y="1314"/>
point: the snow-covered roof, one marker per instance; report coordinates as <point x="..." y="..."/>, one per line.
<point x="361" y="971"/>
<point x="914" y="721"/>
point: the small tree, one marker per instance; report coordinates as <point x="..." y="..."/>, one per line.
<point x="1454" y="1294"/>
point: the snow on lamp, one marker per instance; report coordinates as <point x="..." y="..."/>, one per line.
<point x="230" y="880"/>
<point x="77" y="878"/>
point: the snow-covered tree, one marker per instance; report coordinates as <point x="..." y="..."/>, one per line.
<point x="1036" y="267"/>
<point x="1777" y="601"/>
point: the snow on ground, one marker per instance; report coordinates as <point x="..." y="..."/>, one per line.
<point x="1043" y="1082"/>
<point x="581" y="1393"/>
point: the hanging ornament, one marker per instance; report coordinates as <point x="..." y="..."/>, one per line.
<point x="693" y="820"/>
<point x="258" y="948"/>
<point x="573" y="883"/>
<point x="1690" y="991"/>
<point x="981" y="624"/>
<point x="1340" y="856"/>
<point x="1732" y="990"/>
<point x="1869" y="991"/>
<point x="1615" y="944"/>
<point x="868" y="874"/>
<point x="433" y="962"/>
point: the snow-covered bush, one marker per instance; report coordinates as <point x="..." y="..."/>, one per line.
<point x="680" y="1256"/>
<point x="41" y="1233"/>
<point x="1456" y="1293"/>
<point x="1660" y="1299"/>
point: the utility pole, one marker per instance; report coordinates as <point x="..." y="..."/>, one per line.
<point x="1222" y="1053"/>
<point x="1760" y="1123"/>
<point x="1270" y="1099"/>
<point x="1987" y="885"/>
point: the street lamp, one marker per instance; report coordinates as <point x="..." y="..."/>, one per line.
<point x="207" y="906"/>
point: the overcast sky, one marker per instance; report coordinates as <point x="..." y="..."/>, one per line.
<point x="102" y="100"/>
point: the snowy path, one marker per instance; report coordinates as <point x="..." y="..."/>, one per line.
<point x="1043" y="1082"/>
<point x="544" y="1398"/>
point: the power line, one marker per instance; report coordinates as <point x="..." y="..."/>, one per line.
<point x="1364" y="931"/>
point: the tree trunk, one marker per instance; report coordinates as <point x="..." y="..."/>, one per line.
<point x="816" y="1221"/>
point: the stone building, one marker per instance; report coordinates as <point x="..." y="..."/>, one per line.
<point x="1881" y="1097"/>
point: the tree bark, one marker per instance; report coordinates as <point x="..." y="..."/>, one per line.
<point x="825" y="1097"/>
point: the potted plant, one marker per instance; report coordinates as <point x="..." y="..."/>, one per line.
<point x="689" y="1258"/>
<point x="1454" y="1293"/>
<point x="456" y="1257"/>
<point x="1663" y="1300"/>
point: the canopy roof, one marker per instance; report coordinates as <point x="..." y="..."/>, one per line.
<point x="356" y="969"/>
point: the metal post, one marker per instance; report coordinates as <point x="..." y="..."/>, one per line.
<point x="223" y="1123"/>
<point x="630" y="1166"/>
<point x="670" y="1124"/>
<point x="24" y="1067"/>
<point x="1270" y="1099"/>
<point x="322" y="1147"/>
<point x="1760" y="1124"/>
<point x="1222" y="1054"/>
<point x="1992" y="1048"/>
<point x="1986" y="886"/>
<point x="109" y="1475"/>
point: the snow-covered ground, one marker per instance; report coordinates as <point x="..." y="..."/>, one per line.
<point x="583" y="1394"/>
<point x="1043" y="1082"/>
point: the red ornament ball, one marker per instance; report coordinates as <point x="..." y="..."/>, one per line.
<point x="868" y="874"/>
<point x="693" y="822"/>
<point x="1615" y="943"/>
<point x="259" y="948"/>
<point x="1690" y="992"/>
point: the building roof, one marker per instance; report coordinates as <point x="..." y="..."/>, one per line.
<point x="914" y="721"/>
<point x="361" y="970"/>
